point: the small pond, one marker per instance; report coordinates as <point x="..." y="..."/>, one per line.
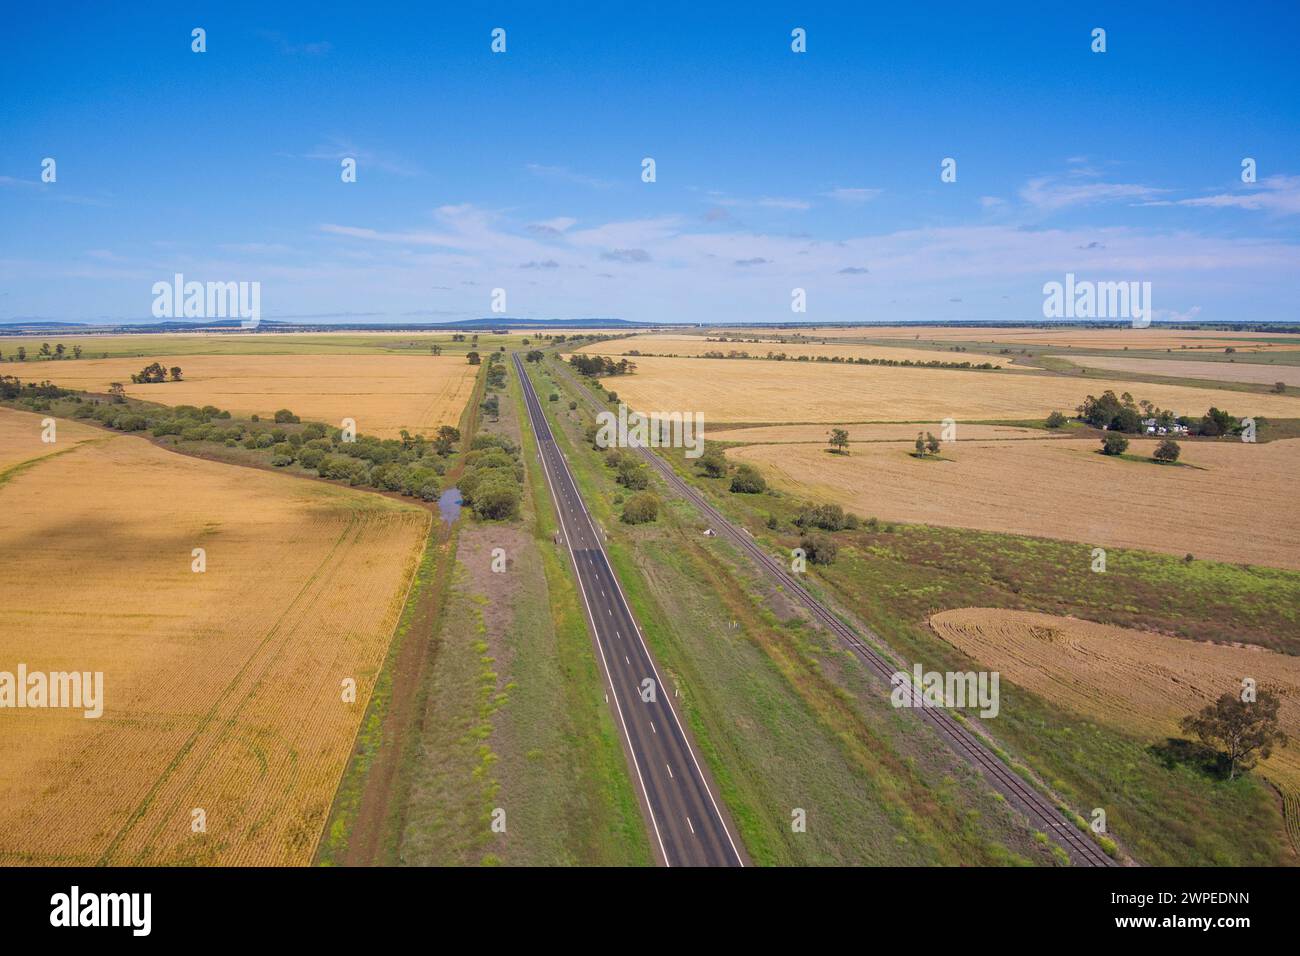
<point x="449" y="504"/>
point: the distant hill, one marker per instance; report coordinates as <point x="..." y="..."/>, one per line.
<point x="19" y="326"/>
<point x="507" y="323"/>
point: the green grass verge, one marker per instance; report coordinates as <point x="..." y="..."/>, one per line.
<point x="779" y="719"/>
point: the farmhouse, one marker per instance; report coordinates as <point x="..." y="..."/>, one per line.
<point x="1152" y="426"/>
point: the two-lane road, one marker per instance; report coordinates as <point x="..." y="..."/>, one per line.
<point x="686" y="821"/>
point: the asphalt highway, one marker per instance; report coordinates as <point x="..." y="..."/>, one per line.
<point x="871" y="651"/>
<point x="687" y="824"/>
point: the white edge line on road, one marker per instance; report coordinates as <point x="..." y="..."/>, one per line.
<point x="559" y="515"/>
<point x="672" y="710"/>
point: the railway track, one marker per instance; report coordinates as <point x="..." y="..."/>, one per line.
<point x="1039" y="809"/>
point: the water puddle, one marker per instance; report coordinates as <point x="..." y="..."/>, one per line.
<point x="449" y="504"/>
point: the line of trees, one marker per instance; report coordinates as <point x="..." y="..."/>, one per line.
<point x="598" y="366"/>
<point x="60" y="351"/>
<point x="838" y="360"/>
<point x="1122" y="414"/>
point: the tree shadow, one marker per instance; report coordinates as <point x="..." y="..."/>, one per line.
<point x="1176" y="751"/>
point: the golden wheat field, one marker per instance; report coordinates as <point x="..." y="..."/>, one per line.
<point x="382" y="393"/>
<point x="223" y="690"/>
<point x="20" y="440"/>
<point x="688" y="345"/>
<point x="1258" y="373"/>
<point x="1135" y="681"/>
<point x="1231" y="501"/>
<point x="1152" y="337"/>
<point x="818" y="434"/>
<point x="726" y="390"/>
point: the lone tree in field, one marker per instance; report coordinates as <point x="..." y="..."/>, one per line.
<point x="1244" y="732"/>
<point x="920" y="445"/>
<point x="150" y="374"/>
<point x="473" y="358"/>
<point x="117" y="392"/>
<point x="435" y="349"/>
<point x="1168" y="450"/>
<point x="1279" y="387"/>
<point x="1114" y="445"/>
<point x="76" y="351"/>
<point x="931" y="444"/>
<point x="176" y="373"/>
<point x="1055" y="420"/>
<point x="839" y="439"/>
<point x="22" y="354"/>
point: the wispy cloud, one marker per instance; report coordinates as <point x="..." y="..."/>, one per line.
<point x="1275" y="194"/>
<point x="337" y="149"/>
<point x="552" y="227"/>
<point x="1048" y="194"/>
<point x="50" y="191"/>
<point x="291" y="48"/>
<point x="626" y="255"/>
<point x="853" y="194"/>
<point x="565" y="174"/>
<point x="762" y="202"/>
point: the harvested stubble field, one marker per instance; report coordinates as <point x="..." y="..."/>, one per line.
<point x="1231" y="501"/>
<point x="1258" y="373"/>
<point x="732" y="391"/>
<point x="872" y="432"/>
<point x="1121" y="337"/>
<point x="694" y="345"/>
<point x="222" y="689"/>
<point x="1136" y="681"/>
<point x="382" y="393"/>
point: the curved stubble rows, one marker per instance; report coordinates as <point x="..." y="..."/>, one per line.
<point x="1139" y="682"/>
<point x="222" y="689"/>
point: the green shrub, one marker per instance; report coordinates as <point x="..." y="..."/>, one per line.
<point x="748" y="481"/>
<point x="820" y="548"/>
<point x="640" y="508"/>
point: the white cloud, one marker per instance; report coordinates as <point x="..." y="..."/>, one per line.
<point x="1050" y="195"/>
<point x="337" y="149"/>
<point x="564" y="174"/>
<point x="853" y="194"/>
<point x="552" y="227"/>
<point x="1276" y="194"/>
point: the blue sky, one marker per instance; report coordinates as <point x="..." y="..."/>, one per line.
<point x="775" y="170"/>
